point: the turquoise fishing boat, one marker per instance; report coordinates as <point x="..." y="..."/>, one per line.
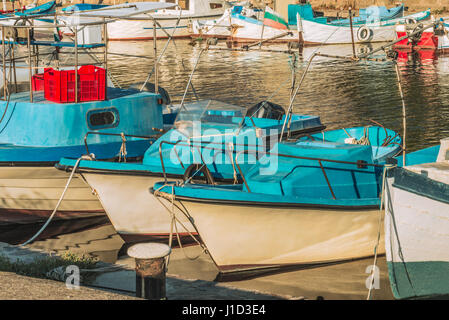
<point x="46" y="8"/>
<point x="309" y="202"/>
<point x="224" y="128"/>
<point x="56" y="112"/>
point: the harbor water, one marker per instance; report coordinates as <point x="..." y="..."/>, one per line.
<point x="343" y="93"/>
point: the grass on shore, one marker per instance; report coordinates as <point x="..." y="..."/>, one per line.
<point x="41" y="266"/>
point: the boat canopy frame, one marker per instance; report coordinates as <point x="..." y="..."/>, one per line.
<point x="360" y="164"/>
<point x="26" y="27"/>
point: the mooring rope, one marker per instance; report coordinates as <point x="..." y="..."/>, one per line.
<point x="174" y="221"/>
<point x="122" y="152"/>
<point x="384" y="174"/>
<point x="399" y="247"/>
<point x="57" y="205"/>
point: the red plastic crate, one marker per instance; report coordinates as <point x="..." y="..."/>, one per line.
<point x="38" y="82"/>
<point x="60" y="84"/>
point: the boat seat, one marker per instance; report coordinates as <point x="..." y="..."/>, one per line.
<point x="271" y="184"/>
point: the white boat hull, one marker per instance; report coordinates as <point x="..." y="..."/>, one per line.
<point x="133" y="211"/>
<point x="417" y="241"/>
<point x="243" y="237"/>
<point x="241" y="31"/>
<point x="317" y="33"/>
<point x="143" y="29"/>
<point x="30" y="194"/>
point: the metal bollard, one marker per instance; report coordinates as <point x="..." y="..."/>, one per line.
<point x="150" y="269"/>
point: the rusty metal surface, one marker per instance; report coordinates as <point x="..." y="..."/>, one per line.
<point x="154" y="268"/>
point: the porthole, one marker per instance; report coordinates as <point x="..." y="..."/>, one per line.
<point x="103" y="118"/>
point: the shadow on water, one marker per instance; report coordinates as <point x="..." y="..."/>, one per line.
<point x="252" y="274"/>
<point x="19" y="233"/>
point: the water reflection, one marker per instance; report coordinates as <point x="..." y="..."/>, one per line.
<point x="342" y="93"/>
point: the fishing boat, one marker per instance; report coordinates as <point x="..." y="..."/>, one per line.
<point x="270" y="26"/>
<point x="417" y="228"/>
<point x="368" y="14"/>
<point x="315" y="32"/>
<point x="123" y="187"/>
<point x="171" y="21"/>
<point x="30" y="11"/>
<point x="242" y="24"/>
<point x="319" y="205"/>
<point x="45" y="8"/>
<point x="58" y="114"/>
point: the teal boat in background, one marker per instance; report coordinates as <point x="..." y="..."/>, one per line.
<point x="46" y="8"/>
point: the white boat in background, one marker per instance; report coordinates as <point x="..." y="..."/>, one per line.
<point x="188" y="11"/>
<point x="382" y="31"/>
<point x="242" y="24"/>
<point x="417" y="228"/>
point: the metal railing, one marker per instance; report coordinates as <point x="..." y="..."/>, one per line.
<point x="361" y="164"/>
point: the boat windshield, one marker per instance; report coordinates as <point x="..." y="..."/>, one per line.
<point x="206" y="114"/>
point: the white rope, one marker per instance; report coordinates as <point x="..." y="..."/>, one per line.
<point x="122" y="152"/>
<point x="231" y="154"/>
<point x="57" y="205"/>
<point x="386" y="168"/>
<point x="174" y="222"/>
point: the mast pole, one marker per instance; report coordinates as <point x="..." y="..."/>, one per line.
<point x="404" y="114"/>
<point x="4" y="62"/>
<point x="156" y="69"/>
<point x="30" y="66"/>
<point x="105" y="64"/>
<point x="76" y="63"/>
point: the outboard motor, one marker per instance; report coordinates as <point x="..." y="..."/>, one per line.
<point x="416" y="37"/>
<point x="267" y="110"/>
<point x="439" y="29"/>
<point x="150" y="87"/>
